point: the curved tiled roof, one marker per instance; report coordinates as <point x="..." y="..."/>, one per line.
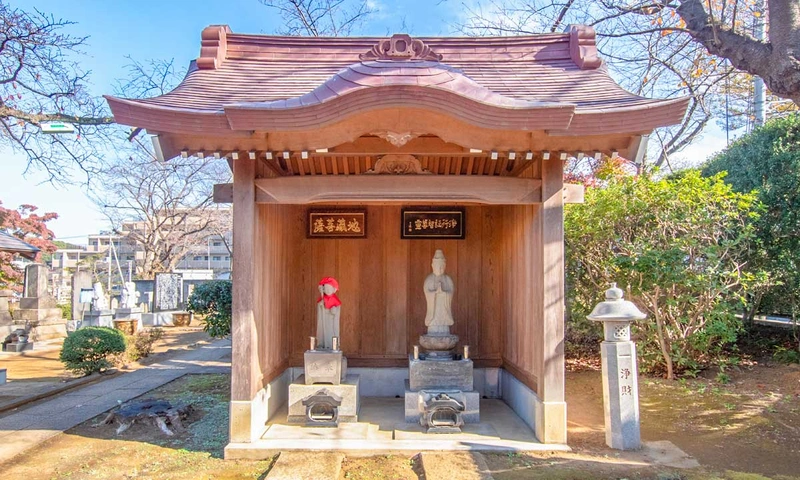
<point x="245" y="82"/>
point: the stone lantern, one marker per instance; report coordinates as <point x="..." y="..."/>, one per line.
<point x="620" y="372"/>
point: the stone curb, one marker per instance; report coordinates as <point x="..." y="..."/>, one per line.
<point x="80" y="382"/>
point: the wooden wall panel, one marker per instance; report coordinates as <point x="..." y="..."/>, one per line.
<point x="496" y="271"/>
<point x="271" y="259"/>
<point x="396" y="283"/>
<point x="380" y="281"/>
<point x="522" y="308"/>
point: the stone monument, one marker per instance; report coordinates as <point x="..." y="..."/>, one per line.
<point x="37" y="308"/>
<point x="168" y="292"/>
<point x="5" y="314"/>
<point x="620" y="371"/>
<point x="99" y="315"/>
<point x="129" y="310"/>
<point x="81" y="280"/>
<point x="325" y="394"/>
<point x="439" y="390"/>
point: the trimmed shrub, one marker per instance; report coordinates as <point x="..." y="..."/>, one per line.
<point x="88" y="349"/>
<point x="213" y="299"/>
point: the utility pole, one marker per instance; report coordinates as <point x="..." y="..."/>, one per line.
<point x="759" y="92"/>
<point x="108" y="289"/>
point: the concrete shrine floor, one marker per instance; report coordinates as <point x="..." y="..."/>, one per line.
<point x="381" y="428"/>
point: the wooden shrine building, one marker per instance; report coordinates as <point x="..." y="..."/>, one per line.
<point x="379" y="126"/>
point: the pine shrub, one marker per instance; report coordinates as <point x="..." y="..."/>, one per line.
<point x="88" y="349"/>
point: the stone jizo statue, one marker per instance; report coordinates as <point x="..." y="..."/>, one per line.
<point x="99" y="301"/>
<point x="130" y="297"/>
<point x="328" y="312"/>
<point x="439" y="288"/>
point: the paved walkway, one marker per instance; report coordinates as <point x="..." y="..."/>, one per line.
<point x="32" y="426"/>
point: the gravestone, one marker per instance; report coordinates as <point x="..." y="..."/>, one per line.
<point x="5" y="314"/>
<point x="37" y="308"/>
<point x="98" y="315"/>
<point x="81" y="280"/>
<point x="168" y="292"/>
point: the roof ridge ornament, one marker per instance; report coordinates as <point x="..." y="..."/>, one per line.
<point x="583" y="47"/>
<point x="401" y="47"/>
<point x="213" y="46"/>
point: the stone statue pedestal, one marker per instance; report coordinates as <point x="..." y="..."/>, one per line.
<point x="324" y="366"/>
<point x="134" y="313"/>
<point x="98" y="318"/>
<point x="38" y="309"/>
<point x="425" y="373"/>
<point x="439" y="346"/>
<point x="441" y="391"/>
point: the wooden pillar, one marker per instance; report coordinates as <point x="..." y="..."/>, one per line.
<point x="551" y="422"/>
<point x="245" y="372"/>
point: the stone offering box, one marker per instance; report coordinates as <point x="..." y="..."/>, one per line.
<point x="324" y="366"/>
<point x="342" y="405"/>
<point x="417" y="404"/>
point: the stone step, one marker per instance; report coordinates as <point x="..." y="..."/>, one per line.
<point x="307" y="465"/>
<point x="452" y="465"/>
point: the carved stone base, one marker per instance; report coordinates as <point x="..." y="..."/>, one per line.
<point x="347" y="393"/>
<point x="324" y="366"/>
<point x="439" y="346"/>
<point x="415" y="403"/>
<point x="440" y="374"/>
<point x="98" y="318"/>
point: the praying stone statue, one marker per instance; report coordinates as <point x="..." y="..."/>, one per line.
<point x="328" y="312"/>
<point x="99" y="301"/>
<point x="438" y="288"/>
<point x="130" y="296"/>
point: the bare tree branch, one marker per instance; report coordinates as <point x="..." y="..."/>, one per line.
<point x="321" y="18"/>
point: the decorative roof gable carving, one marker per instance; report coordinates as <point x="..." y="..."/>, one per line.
<point x="398" y="139"/>
<point x="401" y="47"/>
<point x="398" y="164"/>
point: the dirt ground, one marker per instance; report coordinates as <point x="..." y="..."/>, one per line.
<point x="746" y="429"/>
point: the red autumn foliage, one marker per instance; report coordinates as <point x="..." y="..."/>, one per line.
<point x="592" y="172"/>
<point x="29" y="227"/>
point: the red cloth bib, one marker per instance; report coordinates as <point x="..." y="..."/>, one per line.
<point x="330" y="300"/>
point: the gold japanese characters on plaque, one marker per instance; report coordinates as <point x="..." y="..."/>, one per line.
<point x="333" y="224"/>
<point x="440" y="223"/>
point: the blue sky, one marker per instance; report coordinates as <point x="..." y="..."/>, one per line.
<point x="170" y="29"/>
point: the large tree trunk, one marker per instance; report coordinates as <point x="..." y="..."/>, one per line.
<point x="776" y="61"/>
